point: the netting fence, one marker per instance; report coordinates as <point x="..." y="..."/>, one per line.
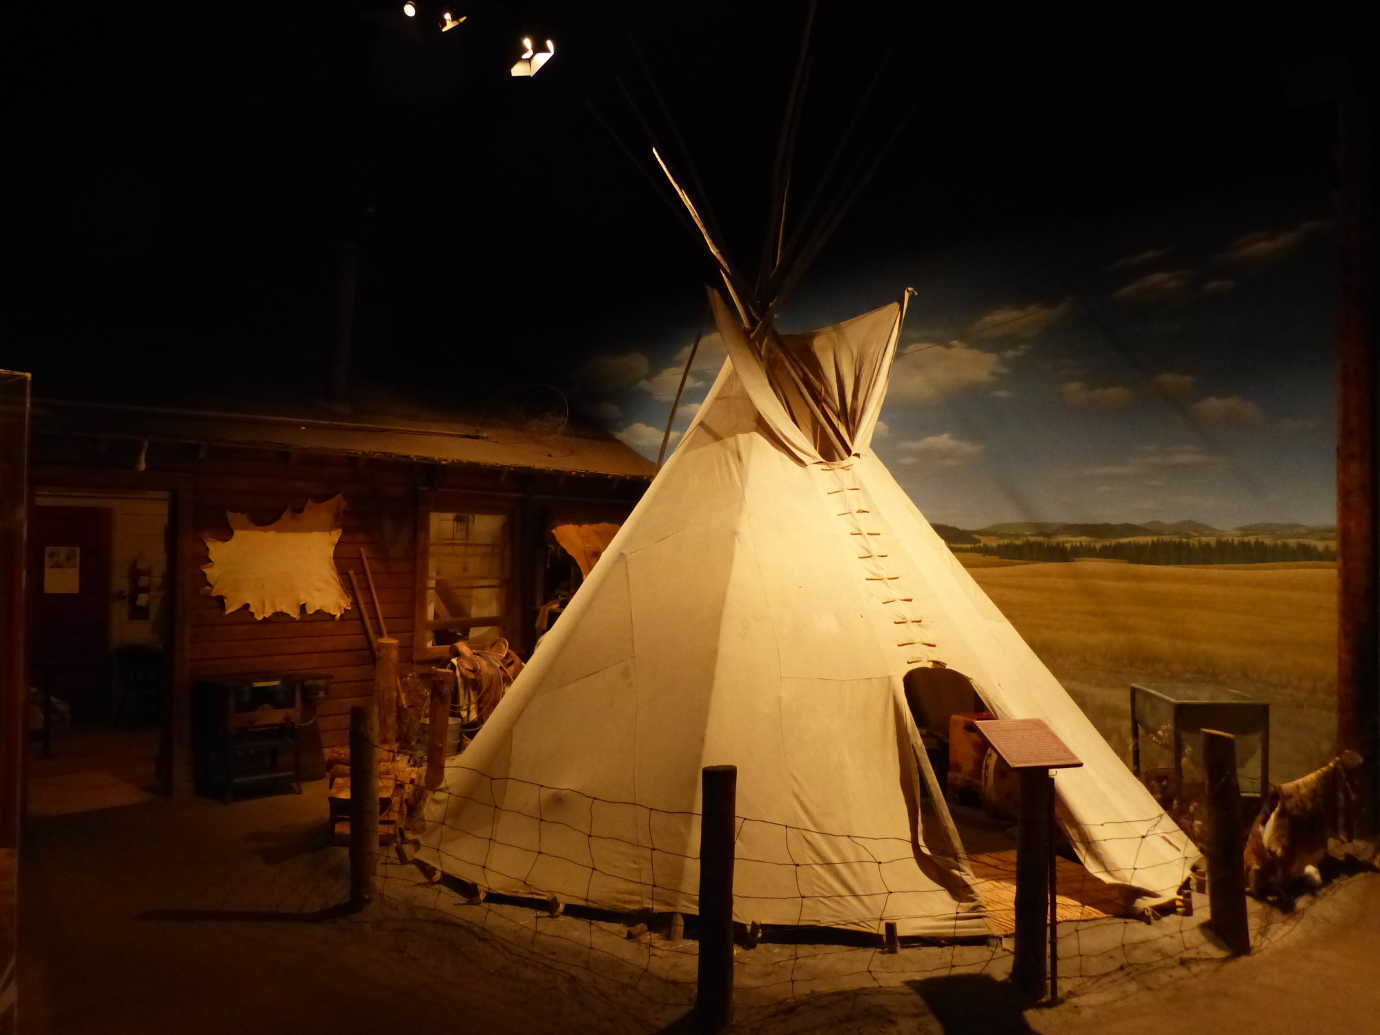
<point x="602" y="893"/>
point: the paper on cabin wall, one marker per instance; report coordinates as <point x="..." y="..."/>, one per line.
<point x="287" y="567"/>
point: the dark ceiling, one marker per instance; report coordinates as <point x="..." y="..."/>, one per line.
<point x="187" y="174"/>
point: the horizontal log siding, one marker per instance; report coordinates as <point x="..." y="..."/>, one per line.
<point x="379" y="516"/>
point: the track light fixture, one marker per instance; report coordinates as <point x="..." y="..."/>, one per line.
<point x="530" y="63"/>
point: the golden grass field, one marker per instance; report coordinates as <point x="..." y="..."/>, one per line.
<point x="1266" y="629"/>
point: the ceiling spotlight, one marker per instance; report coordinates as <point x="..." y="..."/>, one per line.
<point x="448" y="22"/>
<point x="409" y="8"/>
<point x="530" y="63"/>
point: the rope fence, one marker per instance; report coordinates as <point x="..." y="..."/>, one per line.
<point x="606" y="893"/>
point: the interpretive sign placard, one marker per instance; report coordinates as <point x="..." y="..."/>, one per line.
<point x="1027" y="744"/>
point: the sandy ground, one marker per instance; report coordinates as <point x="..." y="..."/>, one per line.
<point x="201" y="917"/>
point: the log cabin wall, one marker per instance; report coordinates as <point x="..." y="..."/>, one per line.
<point x="386" y="502"/>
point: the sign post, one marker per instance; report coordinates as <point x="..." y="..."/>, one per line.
<point x="1031" y="748"/>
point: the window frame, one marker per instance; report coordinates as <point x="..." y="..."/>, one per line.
<point x="449" y="501"/>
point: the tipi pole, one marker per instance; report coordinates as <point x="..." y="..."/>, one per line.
<point x="932" y="788"/>
<point x="714" y="992"/>
<point x="684" y="374"/>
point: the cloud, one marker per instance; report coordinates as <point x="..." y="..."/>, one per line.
<point x="1015" y="321"/>
<point x="946" y="450"/>
<point x="1227" y="409"/>
<point x="1154" y="287"/>
<point x="709" y="357"/>
<point x="1153" y="461"/>
<point x="606" y="411"/>
<point x="1174" y="386"/>
<point x="1190" y="457"/>
<point x="1139" y="258"/>
<point x="1269" y="246"/>
<point x="612" y="371"/>
<point x="686" y="411"/>
<point x="928" y="373"/>
<point x="645" y="438"/>
<point x="1219" y="287"/>
<point x="1080" y="396"/>
<point x="882" y="430"/>
<point x="663" y="386"/>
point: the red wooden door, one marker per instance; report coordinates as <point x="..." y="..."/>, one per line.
<point x="69" y="614"/>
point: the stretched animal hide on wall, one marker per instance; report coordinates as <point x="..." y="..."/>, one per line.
<point x="285" y="567"/>
<point x="585" y="543"/>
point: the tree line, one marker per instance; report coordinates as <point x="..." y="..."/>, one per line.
<point x="1159" y="551"/>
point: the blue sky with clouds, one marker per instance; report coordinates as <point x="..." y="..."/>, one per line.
<point x="1175" y="366"/>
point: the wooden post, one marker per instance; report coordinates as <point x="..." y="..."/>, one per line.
<point x="364" y="804"/>
<point x="1226" y="867"/>
<point x="1032" y="883"/>
<point x="438" y="723"/>
<point x="386" y="689"/>
<point x="714" y="993"/>
<point x="1053" y="899"/>
<point x="890" y="938"/>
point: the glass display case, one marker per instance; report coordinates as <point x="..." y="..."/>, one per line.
<point x="1166" y="716"/>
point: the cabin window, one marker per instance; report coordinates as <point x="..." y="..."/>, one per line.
<point x="469" y="576"/>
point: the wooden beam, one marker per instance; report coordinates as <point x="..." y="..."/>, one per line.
<point x="1358" y="635"/>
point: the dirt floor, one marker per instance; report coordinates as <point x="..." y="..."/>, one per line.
<point x="200" y="917"/>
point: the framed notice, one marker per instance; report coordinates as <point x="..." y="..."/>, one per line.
<point x="61" y="569"/>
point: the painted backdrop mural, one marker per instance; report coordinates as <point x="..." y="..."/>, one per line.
<point x="1125" y="432"/>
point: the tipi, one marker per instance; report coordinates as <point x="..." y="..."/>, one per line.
<point x="760" y="608"/>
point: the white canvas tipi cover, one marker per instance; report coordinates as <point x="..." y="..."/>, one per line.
<point x="760" y="608"/>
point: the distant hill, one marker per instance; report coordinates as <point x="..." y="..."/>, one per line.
<point x="1171" y="529"/>
<point x="1019" y="528"/>
<point x="1287" y="530"/>
<point x="956" y="536"/>
<point x="1053" y="529"/>
<point x="1182" y="528"/>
